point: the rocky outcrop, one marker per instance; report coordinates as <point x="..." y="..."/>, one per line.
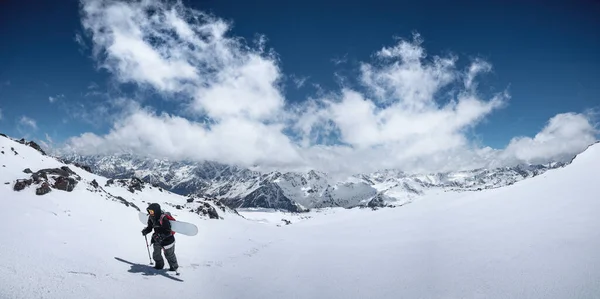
<point x="379" y="201"/>
<point x="132" y="184"/>
<point x="62" y="178"/>
<point x="268" y="195"/>
<point x="32" y="144"/>
<point x="207" y="209"/>
<point x="43" y="189"/>
<point x="64" y="183"/>
<point x="22" y="184"/>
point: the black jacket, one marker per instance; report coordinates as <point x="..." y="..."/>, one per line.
<point x="162" y="233"/>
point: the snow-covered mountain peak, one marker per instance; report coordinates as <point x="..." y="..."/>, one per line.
<point x="239" y="187"/>
<point x="27" y="169"/>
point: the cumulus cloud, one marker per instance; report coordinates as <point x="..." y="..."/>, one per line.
<point x="28" y="122"/>
<point x="564" y="135"/>
<point x="410" y="110"/>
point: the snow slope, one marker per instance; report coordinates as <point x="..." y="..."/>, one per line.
<point x="537" y="238"/>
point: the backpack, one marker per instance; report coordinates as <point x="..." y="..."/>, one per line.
<point x="170" y="217"/>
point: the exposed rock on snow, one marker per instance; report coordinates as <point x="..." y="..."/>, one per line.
<point x="43" y="189"/>
<point x="64" y="183"/>
<point x="21" y="184"/>
<point x="33" y="145"/>
<point x="131" y="184"/>
<point x="62" y="178"/>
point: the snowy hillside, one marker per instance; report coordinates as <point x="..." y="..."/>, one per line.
<point x="26" y="169"/>
<point x="242" y="188"/>
<point x="537" y="238"/>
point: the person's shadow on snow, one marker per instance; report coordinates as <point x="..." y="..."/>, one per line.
<point x="146" y="270"/>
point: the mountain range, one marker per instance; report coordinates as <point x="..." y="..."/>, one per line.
<point x="239" y="187"/>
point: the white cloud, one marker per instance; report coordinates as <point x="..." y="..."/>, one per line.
<point x="53" y="99"/>
<point x="235" y="140"/>
<point x="93" y="85"/>
<point x="28" y="122"/>
<point x="564" y="135"/>
<point x="411" y="111"/>
<point x="299" y="81"/>
<point x="340" y="60"/>
<point x="79" y="40"/>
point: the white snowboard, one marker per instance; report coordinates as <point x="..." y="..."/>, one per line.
<point x="184" y="228"/>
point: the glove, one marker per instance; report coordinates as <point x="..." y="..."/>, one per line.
<point x="145" y="231"/>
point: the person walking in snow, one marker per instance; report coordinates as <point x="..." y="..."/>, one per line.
<point x="162" y="238"/>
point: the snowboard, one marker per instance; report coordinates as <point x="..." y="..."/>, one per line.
<point x="182" y="227"/>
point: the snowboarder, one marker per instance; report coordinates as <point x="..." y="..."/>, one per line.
<point x="162" y="238"/>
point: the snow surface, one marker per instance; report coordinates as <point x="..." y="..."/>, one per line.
<point x="538" y="238"/>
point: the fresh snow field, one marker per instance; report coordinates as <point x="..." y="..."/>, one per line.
<point x="538" y="238"/>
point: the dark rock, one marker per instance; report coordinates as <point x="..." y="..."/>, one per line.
<point x="56" y="171"/>
<point x="190" y="200"/>
<point x="3" y="135"/>
<point x="287" y="222"/>
<point x="21" y="184"/>
<point x="67" y="169"/>
<point x="65" y="183"/>
<point x="2" y="152"/>
<point x="125" y="202"/>
<point x="95" y="184"/>
<point x="109" y="182"/>
<point x="377" y="202"/>
<point x="37" y="177"/>
<point x="21" y="141"/>
<point x="207" y="210"/>
<point x="269" y="195"/>
<point x="7" y="183"/>
<point x="36" y="147"/>
<point x="27" y="170"/>
<point x="135" y="184"/>
<point x="178" y="207"/>
<point x="85" y="167"/>
<point x="44" y="189"/>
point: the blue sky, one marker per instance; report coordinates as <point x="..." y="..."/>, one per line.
<point x="543" y="56"/>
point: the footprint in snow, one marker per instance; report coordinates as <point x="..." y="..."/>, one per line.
<point x="83" y="273"/>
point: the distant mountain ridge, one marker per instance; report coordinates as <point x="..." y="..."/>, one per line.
<point x="238" y="187"/>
